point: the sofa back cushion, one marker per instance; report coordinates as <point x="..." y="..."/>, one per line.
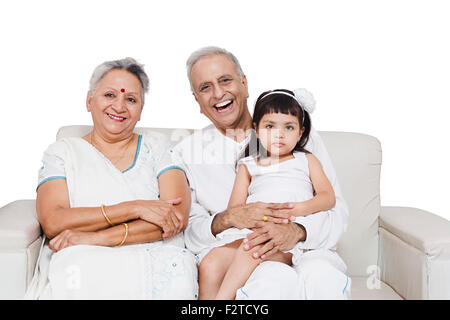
<point x="357" y="161"/>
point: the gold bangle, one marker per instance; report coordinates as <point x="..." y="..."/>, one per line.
<point x="106" y="217"/>
<point x="126" y="235"/>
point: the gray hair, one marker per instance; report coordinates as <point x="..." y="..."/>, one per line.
<point x="128" y="64"/>
<point x="209" y="51"/>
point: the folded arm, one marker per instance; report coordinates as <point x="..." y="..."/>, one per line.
<point x="55" y="214"/>
<point x="147" y="220"/>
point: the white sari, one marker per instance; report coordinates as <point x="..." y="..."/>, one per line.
<point x="157" y="270"/>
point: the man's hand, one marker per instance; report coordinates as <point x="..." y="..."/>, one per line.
<point x="250" y="215"/>
<point x="274" y="237"/>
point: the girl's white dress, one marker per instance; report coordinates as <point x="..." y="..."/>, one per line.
<point x="157" y="270"/>
<point x="288" y="181"/>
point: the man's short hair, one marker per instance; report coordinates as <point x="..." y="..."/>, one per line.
<point x="208" y="51"/>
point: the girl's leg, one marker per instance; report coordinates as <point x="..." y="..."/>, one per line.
<point x="281" y="257"/>
<point x="238" y="273"/>
<point x="241" y="268"/>
<point x="212" y="269"/>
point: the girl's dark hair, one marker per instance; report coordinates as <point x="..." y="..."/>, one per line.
<point x="278" y="103"/>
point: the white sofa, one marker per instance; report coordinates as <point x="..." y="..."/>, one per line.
<point x="391" y="252"/>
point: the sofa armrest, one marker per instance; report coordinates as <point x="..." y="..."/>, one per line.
<point x="20" y="241"/>
<point x="19" y="226"/>
<point x="414" y="252"/>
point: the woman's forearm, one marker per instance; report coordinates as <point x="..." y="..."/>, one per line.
<point x="139" y="231"/>
<point x="56" y="220"/>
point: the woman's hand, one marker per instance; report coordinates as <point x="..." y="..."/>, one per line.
<point x="163" y="214"/>
<point x="69" y="238"/>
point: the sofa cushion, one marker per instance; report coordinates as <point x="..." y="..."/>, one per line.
<point x="357" y="160"/>
<point x="380" y="291"/>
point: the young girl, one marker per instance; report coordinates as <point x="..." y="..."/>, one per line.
<point x="281" y="170"/>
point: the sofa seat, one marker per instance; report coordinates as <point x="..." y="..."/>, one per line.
<point x="360" y="291"/>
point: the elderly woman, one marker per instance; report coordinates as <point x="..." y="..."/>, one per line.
<point x="113" y="204"/>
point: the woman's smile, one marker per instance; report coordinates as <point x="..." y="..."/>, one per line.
<point x="116" y="118"/>
<point x="113" y="111"/>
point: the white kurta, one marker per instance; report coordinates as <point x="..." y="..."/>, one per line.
<point x="157" y="270"/>
<point x="210" y="162"/>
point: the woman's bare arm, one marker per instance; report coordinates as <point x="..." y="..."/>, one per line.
<point x="55" y="215"/>
<point x="173" y="185"/>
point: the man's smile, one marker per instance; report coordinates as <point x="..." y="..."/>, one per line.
<point x="223" y="106"/>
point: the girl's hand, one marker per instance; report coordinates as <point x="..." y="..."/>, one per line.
<point x="298" y="210"/>
<point x="69" y="238"/>
<point x="163" y="214"/>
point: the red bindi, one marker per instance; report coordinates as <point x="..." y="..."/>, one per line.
<point x="122" y="90"/>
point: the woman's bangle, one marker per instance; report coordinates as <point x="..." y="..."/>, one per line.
<point x="126" y="235"/>
<point x="106" y="217"/>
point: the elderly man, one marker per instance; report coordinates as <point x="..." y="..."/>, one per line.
<point x="221" y="90"/>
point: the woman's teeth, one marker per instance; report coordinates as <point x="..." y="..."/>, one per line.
<point x="115" y="117"/>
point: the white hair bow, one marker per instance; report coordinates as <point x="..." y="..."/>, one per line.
<point x="305" y="99"/>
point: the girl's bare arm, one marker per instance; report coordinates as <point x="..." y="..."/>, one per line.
<point x="324" y="198"/>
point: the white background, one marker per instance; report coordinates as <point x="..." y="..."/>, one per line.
<point x="375" y="67"/>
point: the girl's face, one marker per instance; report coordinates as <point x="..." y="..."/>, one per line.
<point x="279" y="133"/>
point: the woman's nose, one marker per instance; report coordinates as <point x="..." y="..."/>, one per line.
<point x="119" y="105"/>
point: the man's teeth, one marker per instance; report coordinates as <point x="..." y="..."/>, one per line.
<point x="115" y="118"/>
<point x="221" y="107"/>
<point x="223" y="104"/>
